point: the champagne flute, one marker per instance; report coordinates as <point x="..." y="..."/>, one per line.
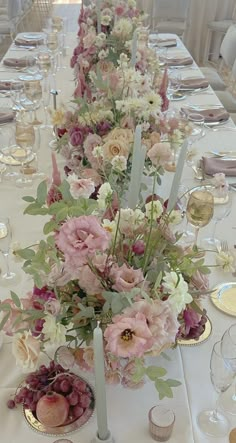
<point x="213" y="422"/>
<point x="33" y="91"/>
<point x="228" y="350"/>
<point x="5" y="241"/>
<point x="200" y="209"/>
<point x="25" y="138"/>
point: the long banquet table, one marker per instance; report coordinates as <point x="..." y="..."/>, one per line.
<point x="127" y="409"/>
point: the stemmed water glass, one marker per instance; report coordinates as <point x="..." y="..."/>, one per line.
<point x="46" y="96"/>
<point x="213" y="422"/>
<point x="25" y="138"/>
<point x="5" y="241"/>
<point x="173" y="85"/>
<point x="16" y="91"/>
<point x="228" y="350"/>
<point x="200" y="209"/>
<point x="33" y="91"/>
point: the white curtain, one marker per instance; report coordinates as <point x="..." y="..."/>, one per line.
<point x="199" y="14"/>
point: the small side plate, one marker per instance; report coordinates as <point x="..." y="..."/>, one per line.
<point x="224" y="298"/>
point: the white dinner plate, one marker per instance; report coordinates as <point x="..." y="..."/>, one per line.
<point x="33" y="36"/>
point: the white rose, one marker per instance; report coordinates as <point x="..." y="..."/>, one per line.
<point x="26" y="349"/>
<point x="53" y="331"/>
<point x="104" y="195"/>
<point x="177" y="289"/>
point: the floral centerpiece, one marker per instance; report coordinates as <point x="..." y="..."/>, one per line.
<point x="122" y="267"/>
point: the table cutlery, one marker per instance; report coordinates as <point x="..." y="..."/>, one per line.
<point x="198" y="172"/>
<point x="22" y="48"/>
<point x="222" y="128"/>
<point x="221" y="154"/>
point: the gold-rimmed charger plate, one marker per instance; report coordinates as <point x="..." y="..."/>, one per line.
<point x="65" y="429"/>
<point x="223" y="298"/>
<point x="204" y="337"/>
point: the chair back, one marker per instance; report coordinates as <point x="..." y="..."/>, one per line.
<point x="171" y="10"/>
<point x="228" y="46"/>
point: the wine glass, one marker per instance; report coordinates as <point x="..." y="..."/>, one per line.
<point x="33" y="91"/>
<point x="228" y="350"/>
<point x="200" y="209"/>
<point x="5" y="241"/>
<point x="197" y="120"/>
<point x="16" y="91"/>
<point x="183" y="193"/>
<point x="36" y="172"/>
<point x="213" y="422"/>
<point x="45" y="101"/>
<point x="173" y="85"/>
<point x="222" y="208"/>
<point x="44" y="62"/>
<point x="25" y="138"/>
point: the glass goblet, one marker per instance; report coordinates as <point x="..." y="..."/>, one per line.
<point x="228" y="350"/>
<point x="213" y="422"/>
<point x="5" y="241"/>
<point x="25" y="138"/>
<point x="33" y="91"/>
<point x="173" y="85"/>
<point x="200" y="209"/>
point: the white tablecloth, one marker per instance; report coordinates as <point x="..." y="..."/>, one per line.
<point x="127" y="409"/>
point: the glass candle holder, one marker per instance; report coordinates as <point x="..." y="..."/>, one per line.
<point x="161" y="422"/>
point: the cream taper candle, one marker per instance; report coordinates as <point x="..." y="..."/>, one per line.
<point x="177" y="177"/>
<point x="98" y="16"/>
<point x="135" y="179"/>
<point x="134" y="49"/>
<point x="100" y="385"/>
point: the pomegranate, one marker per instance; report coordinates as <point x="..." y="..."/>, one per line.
<point x="52" y="409"/>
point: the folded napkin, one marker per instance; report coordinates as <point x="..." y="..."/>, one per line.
<point x="22" y="62"/>
<point x="166" y="42"/>
<point x="7" y="116"/>
<point x="5" y="86"/>
<point x="20" y="41"/>
<point x="177" y="61"/>
<point x="194" y="83"/>
<point x="210" y="115"/>
<point x="213" y="165"/>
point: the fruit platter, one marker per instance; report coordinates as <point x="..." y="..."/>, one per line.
<point x="55" y="401"/>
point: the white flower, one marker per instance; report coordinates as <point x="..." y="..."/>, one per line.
<point x="110" y="226"/>
<point x="152" y="101"/>
<point x="132" y="3"/>
<point x="80" y="187"/>
<point x="129" y="220"/>
<point x="119" y="163"/>
<point x="104" y="195"/>
<point x="98" y="152"/>
<point x="105" y="20"/>
<point x="225" y="261"/>
<point x="175" y="217"/>
<point x="26" y="349"/>
<point x="153" y="209"/>
<point x="103" y="54"/>
<point x="100" y="39"/>
<point x="123" y="28"/>
<point x="177" y="289"/>
<point x="54" y="331"/>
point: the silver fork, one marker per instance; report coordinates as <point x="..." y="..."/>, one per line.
<point x="224" y="246"/>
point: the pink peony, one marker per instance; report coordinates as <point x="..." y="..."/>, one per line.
<point x="128" y="337"/>
<point x="160" y="153"/>
<point x="161" y="321"/>
<point x="126" y="278"/>
<point x="81" y="237"/>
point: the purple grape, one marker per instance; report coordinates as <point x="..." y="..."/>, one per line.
<point x="73" y="398"/>
<point x="65" y="386"/>
<point x="77" y="411"/>
<point x="79" y="385"/>
<point x="84" y="401"/>
<point x="11" y="404"/>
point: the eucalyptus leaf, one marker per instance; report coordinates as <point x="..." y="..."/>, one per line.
<point x="28" y="198"/>
<point x="163" y="389"/>
<point x="154" y="372"/>
<point x="5" y="307"/>
<point x="42" y="192"/>
<point x="65" y="191"/>
<point x="173" y="383"/>
<point x="15" y="299"/>
<point x="62" y="214"/>
<point x="26" y="254"/>
<point x="50" y="226"/>
<point x="4" y="320"/>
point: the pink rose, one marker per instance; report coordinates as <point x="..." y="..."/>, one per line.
<point x="126" y="278"/>
<point x="160" y="153"/>
<point x="81" y="237"/>
<point x="82" y="187"/>
<point x="128" y="337"/>
<point x="76" y="136"/>
<point x="53" y="307"/>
